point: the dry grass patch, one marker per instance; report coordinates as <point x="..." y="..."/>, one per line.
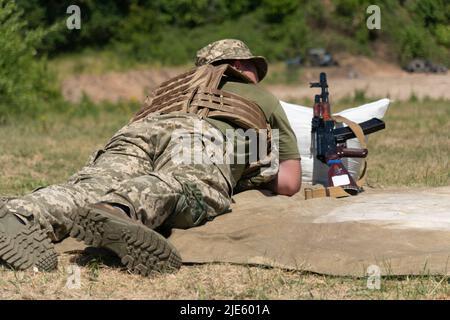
<point x="210" y="281"/>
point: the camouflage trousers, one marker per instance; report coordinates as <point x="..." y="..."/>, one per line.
<point x="135" y="171"/>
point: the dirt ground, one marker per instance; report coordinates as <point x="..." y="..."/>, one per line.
<point x="375" y="78"/>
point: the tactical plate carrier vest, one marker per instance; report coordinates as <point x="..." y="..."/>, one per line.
<point x="196" y="91"/>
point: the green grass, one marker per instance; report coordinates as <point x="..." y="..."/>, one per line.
<point x="46" y="150"/>
<point x="414" y="150"/>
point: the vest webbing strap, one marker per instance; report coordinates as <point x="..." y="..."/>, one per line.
<point x="357" y="130"/>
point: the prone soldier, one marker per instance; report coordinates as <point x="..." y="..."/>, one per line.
<point x="132" y="185"/>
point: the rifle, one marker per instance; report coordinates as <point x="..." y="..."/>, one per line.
<point x="329" y="143"/>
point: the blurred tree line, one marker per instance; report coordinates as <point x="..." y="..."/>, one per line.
<point x="170" y="31"/>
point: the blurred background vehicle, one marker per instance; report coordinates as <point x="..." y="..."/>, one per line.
<point x="423" y="65"/>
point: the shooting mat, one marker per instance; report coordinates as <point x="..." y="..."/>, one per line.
<point x="403" y="232"/>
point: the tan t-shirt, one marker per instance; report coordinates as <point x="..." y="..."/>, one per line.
<point x="273" y="111"/>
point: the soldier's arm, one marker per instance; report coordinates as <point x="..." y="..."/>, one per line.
<point x="287" y="181"/>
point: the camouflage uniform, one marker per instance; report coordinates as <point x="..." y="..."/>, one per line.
<point x="133" y="176"/>
<point x="135" y="170"/>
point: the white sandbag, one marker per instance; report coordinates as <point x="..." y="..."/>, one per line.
<point x="314" y="171"/>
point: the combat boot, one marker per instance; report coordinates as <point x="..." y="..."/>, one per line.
<point x="24" y="245"/>
<point x="141" y="249"/>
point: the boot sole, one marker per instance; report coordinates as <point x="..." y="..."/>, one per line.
<point x="141" y="250"/>
<point x="31" y="247"/>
